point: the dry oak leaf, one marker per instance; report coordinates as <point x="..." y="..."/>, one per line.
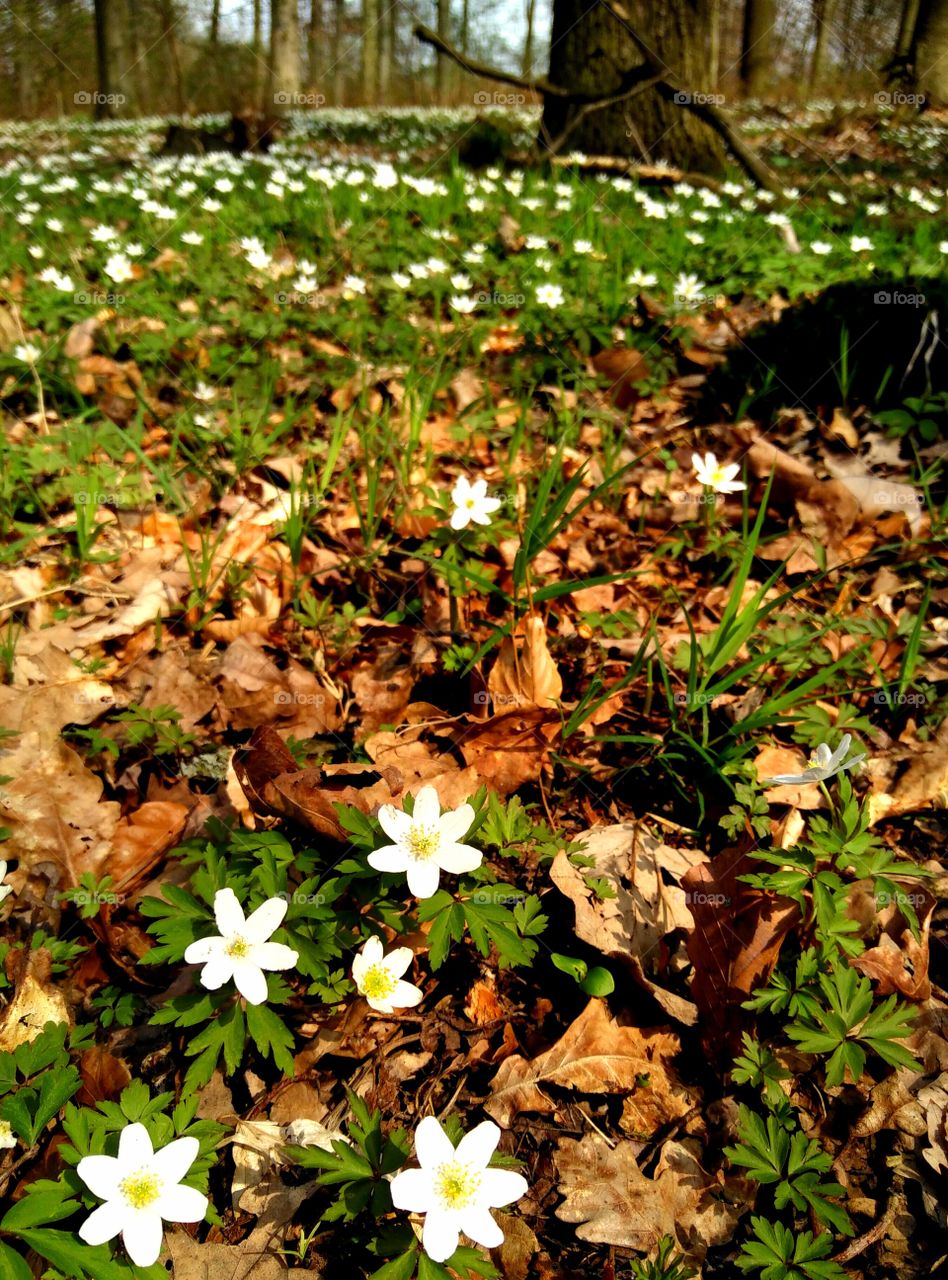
<point x="54" y="808"/>
<point x="273" y="782"/>
<point x="509" y="749"/>
<point x="103" y="1076"/>
<point x="614" y="1203"/>
<point x="924" y="784"/>
<point x="595" y="1055"/>
<point x="525" y="674"/>
<point x="142" y="837"/>
<point x="899" y="962"/>
<point x="36" y="1000"/>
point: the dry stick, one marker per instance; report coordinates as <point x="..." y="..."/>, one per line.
<point x="875" y="1232"/>
<point x="631" y="84"/>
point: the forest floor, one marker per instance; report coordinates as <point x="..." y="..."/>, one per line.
<point x="243" y="625"/>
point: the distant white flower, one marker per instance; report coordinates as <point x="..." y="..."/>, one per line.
<point x="210" y="205"/>
<point x="118" y="268"/>
<point x="378" y="977"/>
<point x="549" y="295"/>
<point x="54" y="224"/>
<point x="694" y="237"/>
<point x="471" y="503"/>
<point x="688" y="290"/>
<point x="140" y="1187"/>
<point x="455" y="1189"/>
<point x="462" y="304"/>
<point x="418" y="271"/>
<point x="461" y="281"/>
<point x="191" y="237"/>
<point x="400" y="280"/>
<point x="427" y="842"/>
<point x="7" y="1137"/>
<point x="582" y="246"/>
<point x="103" y="234"/>
<point x="385" y="177"/>
<point x="860" y="244"/>
<point x="717" y="477"/>
<point x="641" y="279"/>
<point x="204" y="392"/>
<point x="352" y="286"/>
<point x="943" y="246"/>
<point x="823" y="764"/>
<point x="36" y="251"/>
<point x="821" y="246"/>
<point x="223" y="184"/>
<point x="876" y="210"/>
<point x="29" y="353"/>
<point x="535" y="243"/>
<point x="259" y="259"/>
<point x="242" y="951"/>
<point x="837" y="197"/>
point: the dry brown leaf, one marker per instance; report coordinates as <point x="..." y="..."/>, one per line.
<point x="54" y="808"/>
<point x="771" y="761"/>
<point x="36" y="1000"/>
<point x="615" y="1203"/>
<point x="509" y="749"/>
<point x="899" y="961"/>
<point x="142" y="837"/>
<point x="595" y="1055"/>
<point x="525" y="674"/>
<point x="103" y="1076"/>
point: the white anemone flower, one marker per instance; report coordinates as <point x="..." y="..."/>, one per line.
<point x="717" y="476"/>
<point x="7" y="1136"/>
<point x="5" y="889"/>
<point x="242" y="950"/>
<point x="140" y="1187"/>
<point x="427" y="842"/>
<point x="824" y="764"/>
<point x="118" y="268"/>
<point x="860" y="244"/>
<point x="462" y="304"/>
<point x="821" y="247"/>
<point x="549" y="295"/>
<point x="378" y="977"/>
<point x="455" y="1189"/>
<point x="471" y="503"/>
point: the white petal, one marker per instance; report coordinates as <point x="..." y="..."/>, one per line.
<point x="423" y="878"/>
<point x="134" y="1148"/>
<point x="228" y="913"/>
<point x="491" y="504"/>
<point x="273" y="955"/>
<point x="696" y="462"/>
<point x="101" y="1174"/>
<point x="479" y="1145"/>
<point x="217" y="971"/>
<point x="501" y="1186"/>
<point x="440" y="1235"/>
<point x="397" y="960"/>
<point x="394" y="822"/>
<point x="172" y="1162"/>
<point x="265" y="920"/>
<point x="391" y="857"/>
<point x="792" y="779"/>
<point x="411" y="1190"/>
<point x="461" y="491"/>
<point x="405" y="996"/>
<point x="204" y="949"/>
<point x="454" y="824"/>
<point x="479" y="490"/>
<point x="458" y="858"/>
<point x="427" y="808"/>
<point x="103" y="1223"/>
<point x="479" y="516"/>
<point x="182" y="1204"/>
<point x="432" y="1144"/>
<point x="480" y="1227"/>
<point x="460" y="518"/>
<point x="250" y="982"/>
<point x="142" y="1238"/>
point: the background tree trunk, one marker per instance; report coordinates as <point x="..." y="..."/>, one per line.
<point x="338" y="35"/>
<point x="527" y="63"/>
<point x="387" y="49"/>
<point x="824" y="11"/>
<point x="931" y="52"/>
<point x="169" y="23"/>
<point x="757" y="46"/>
<point x="214" y="31"/>
<point x="442" y="66"/>
<point x="102" y="109"/>
<point x="284" y="83"/>
<point x="907" y="24"/>
<point x="590" y="49"/>
<point x="370" y="50"/>
<point x="314" y="41"/>
<point x="714" y="43"/>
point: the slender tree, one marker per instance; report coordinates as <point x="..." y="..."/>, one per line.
<point x="103" y="59"/>
<point x="442" y="69"/>
<point x="760" y="17"/>
<point x="214" y="30"/>
<point x="284" y="80"/>
<point x="388" y="38"/>
<point x="338" y="62"/>
<point x="314" y="42"/>
<point x="824" y="13"/>
<point x="370" y="49"/>
<point x="527" y="63"/>
<point x="931" y="52"/>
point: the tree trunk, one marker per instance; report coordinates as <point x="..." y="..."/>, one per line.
<point x="136" y="83"/>
<point x="907" y="25"/>
<point x="824" y="12"/>
<point x="590" y="50"/>
<point x="931" y="52"/>
<point x="284" y="80"/>
<point x="338" y="34"/>
<point x="370" y="50"/>
<point x="213" y="36"/>
<point x="257" y="26"/>
<point x="102" y="109"/>
<point x="314" y="40"/>
<point x="714" y="43"/>
<point x="442" y="67"/>
<point x="388" y="34"/>
<point x="527" y="64"/>
<point x="168" y="24"/>
<point x="760" y="17"/>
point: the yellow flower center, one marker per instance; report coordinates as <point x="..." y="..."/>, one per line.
<point x="377" y="982"/>
<point x="423" y="841"/>
<point x="456" y="1185"/>
<point x="238" y="947"/>
<point x="141" y="1189"/>
<point x="470" y="504"/>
